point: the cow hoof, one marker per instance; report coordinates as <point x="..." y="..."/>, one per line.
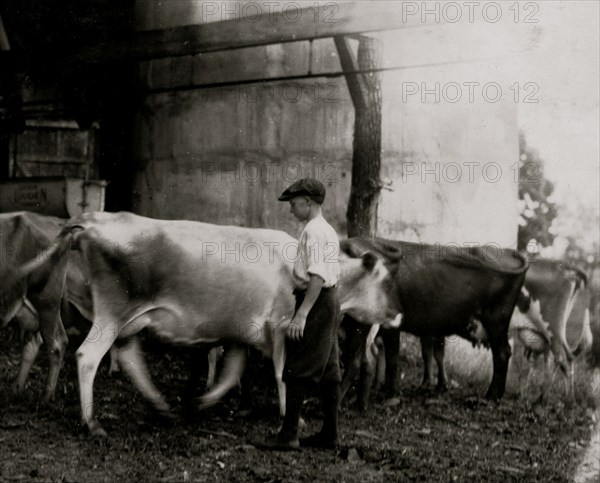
<point x="99" y="433"/>
<point x="243" y="412"/>
<point x="362" y="408"/>
<point x="475" y="402"/>
<point x="391" y="402"/>
<point x="167" y="416"/>
<point x="96" y="430"/>
<point x="16" y="391"/>
<point x="301" y="425"/>
<point x="492" y="396"/>
<point x="205" y="403"/>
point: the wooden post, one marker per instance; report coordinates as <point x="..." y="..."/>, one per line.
<point x="4" y="155"/>
<point x="365" y="90"/>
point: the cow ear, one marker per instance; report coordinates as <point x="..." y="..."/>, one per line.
<point x="369" y="260"/>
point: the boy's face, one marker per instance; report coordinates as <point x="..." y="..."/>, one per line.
<point x="300" y="207"/>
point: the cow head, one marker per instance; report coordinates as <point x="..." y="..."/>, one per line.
<point x="367" y="291"/>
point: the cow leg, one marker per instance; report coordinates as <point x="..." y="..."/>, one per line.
<point x="28" y="356"/>
<point x="55" y="338"/>
<point x="438" y="353"/>
<point x="235" y="359"/>
<point x="567" y="371"/>
<point x="391" y="342"/>
<point x="132" y="361"/>
<point x="26" y="319"/>
<point x="278" y="365"/>
<point x="45" y="290"/>
<point x="380" y="373"/>
<point x="89" y="355"/>
<point x="356" y="335"/>
<point x="501" y="353"/>
<point x="367" y="370"/>
<point x="213" y="359"/>
<point x="524" y="387"/>
<point x="570" y="383"/>
<point x="427" y="344"/>
<point x="367" y="374"/>
<point x="246" y="402"/>
<point x="197" y="366"/>
<point x="547" y="375"/>
<point x="114" y="360"/>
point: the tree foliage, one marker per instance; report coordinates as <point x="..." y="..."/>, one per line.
<point x="537" y="210"/>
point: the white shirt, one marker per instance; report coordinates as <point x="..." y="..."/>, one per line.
<point x="318" y="254"/>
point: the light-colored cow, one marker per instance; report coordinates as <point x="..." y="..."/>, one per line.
<point x="25" y="236"/>
<point x="192" y="283"/>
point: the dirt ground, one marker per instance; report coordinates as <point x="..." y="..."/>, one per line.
<point x="421" y="436"/>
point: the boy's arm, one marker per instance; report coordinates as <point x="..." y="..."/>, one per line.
<point x="295" y="330"/>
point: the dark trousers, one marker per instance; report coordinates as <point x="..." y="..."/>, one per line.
<point x="314" y="359"/>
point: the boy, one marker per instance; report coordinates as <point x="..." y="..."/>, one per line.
<point x="312" y="354"/>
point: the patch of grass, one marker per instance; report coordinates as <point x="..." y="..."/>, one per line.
<point x="526" y="378"/>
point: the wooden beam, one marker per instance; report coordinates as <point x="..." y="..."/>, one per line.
<point x="356" y="83"/>
<point x="328" y="20"/>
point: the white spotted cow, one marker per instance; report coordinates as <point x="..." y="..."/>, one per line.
<point x="553" y="314"/>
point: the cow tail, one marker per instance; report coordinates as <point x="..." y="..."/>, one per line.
<point x="52" y="254"/>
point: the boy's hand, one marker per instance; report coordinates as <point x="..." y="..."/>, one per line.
<point x="295" y="330"/>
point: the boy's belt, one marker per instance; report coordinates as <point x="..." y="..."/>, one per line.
<point x="302" y="291"/>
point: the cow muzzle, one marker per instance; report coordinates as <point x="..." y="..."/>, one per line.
<point x="393" y="323"/>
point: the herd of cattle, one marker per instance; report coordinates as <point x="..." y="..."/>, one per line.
<point x="198" y="284"/>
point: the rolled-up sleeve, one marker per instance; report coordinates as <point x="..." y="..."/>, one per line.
<point x="320" y="257"/>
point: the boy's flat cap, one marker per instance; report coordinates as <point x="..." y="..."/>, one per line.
<point x="310" y="187"/>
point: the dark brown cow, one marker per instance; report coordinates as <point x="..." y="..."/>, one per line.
<point x="443" y="291"/>
<point x="552" y="316"/>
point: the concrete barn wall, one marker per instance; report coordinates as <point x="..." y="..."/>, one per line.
<point x="223" y="154"/>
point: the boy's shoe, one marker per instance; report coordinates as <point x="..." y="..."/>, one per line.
<point x="277" y="445"/>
